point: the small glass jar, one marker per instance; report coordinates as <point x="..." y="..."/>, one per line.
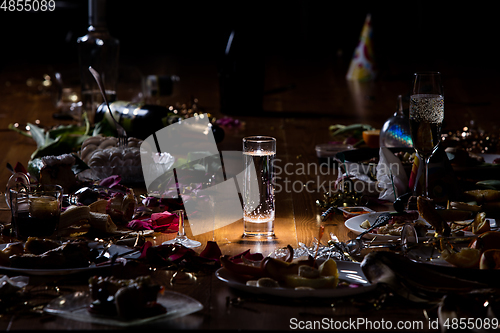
<point x="354" y="211"/>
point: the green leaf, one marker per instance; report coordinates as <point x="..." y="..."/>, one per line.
<point x="16" y="129"/>
<point x="67" y="129"/>
<point x="87" y="123"/>
<point x="356" y="128"/>
<point x="63" y="139"/>
<point x="493" y="184"/>
<point x="63" y="144"/>
<point x="38" y="134"/>
<point x="104" y="128"/>
<point x="34" y="167"/>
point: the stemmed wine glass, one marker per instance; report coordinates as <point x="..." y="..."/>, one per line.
<point x="426" y="117"/>
<point x="181" y="237"/>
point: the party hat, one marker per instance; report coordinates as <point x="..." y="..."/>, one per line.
<point x="362" y="64"/>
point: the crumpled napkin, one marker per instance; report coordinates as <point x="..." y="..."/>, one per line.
<point x="389" y="170"/>
<point x="10" y="285"/>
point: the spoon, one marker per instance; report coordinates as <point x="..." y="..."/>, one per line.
<point x="122" y="135"/>
<point x="355" y="245"/>
<point x="381" y="220"/>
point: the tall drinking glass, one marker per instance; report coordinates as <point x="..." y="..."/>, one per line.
<point x="258" y="186"/>
<point x="426" y="117"/>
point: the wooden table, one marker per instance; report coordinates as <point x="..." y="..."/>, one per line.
<point x="297" y="217"/>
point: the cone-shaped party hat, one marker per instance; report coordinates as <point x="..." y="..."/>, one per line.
<point x="362" y="65"/>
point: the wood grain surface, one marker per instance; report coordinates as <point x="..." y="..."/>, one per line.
<point x="299" y="119"/>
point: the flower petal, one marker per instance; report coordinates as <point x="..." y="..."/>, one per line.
<point x="211" y="251"/>
<point x="140" y="225"/>
<point x="111" y="181"/>
<point x="247" y="255"/>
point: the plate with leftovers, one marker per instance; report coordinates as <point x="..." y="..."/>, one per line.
<point x="351" y="281"/>
<point x="480" y="251"/>
<point x="392" y="231"/>
<point x="48" y="257"/>
<point x="76" y="307"/>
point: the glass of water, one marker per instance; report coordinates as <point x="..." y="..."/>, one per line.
<point x="258" y="186"/>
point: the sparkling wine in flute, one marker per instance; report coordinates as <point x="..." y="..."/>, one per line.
<point x="426" y="119"/>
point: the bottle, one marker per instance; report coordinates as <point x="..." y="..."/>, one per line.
<point x="159" y="85"/>
<point x="396" y="130"/>
<point x="140" y="120"/>
<point x="158" y="89"/>
<point x="443" y="185"/>
<point x="101" y="51"/>
<point x="241" y="74"/>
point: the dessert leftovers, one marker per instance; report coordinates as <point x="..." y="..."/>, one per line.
<point x="105" y="158"/>
<point x="38" y="253"/>
<point x="126" y="298"/>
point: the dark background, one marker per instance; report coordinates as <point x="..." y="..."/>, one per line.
<point x="406" y="34"/>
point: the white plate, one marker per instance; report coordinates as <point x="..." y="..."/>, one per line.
<point x="74" y="306"/>
<point x="348" y="271"/>
<point x="354" y="224"/>
<point x="113" y="249"/>
<point x="489" y="158"/>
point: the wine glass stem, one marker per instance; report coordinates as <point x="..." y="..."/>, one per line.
<point x="427" y="159"/>
<point x="181" y="232"/>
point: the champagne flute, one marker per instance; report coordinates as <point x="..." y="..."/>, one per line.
<point x="426" y="117"/>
